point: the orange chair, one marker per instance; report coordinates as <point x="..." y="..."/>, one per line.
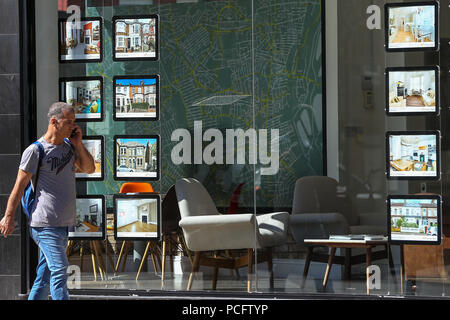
<point x="136" y="187"/>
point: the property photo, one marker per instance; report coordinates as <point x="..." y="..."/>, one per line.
<point x="414" y="219"/>
<point x="85" y="96"/>
<point x="135" y="37"/>
<point x="95" y="146"/>
<point x="136" y="157"/>
<point x="413" y="155"/>
<point x="135" y="98"/>
<point x="412" y="91"/>
<point x="89" y="218"/>
<point x="80" y="42"/>
<point x="411" y="26"/>
<point x="137" y="217"/>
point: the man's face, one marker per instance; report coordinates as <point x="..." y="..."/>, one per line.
<point x="66" y="124"/>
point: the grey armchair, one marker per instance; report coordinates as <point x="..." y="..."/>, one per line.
<point x="317" y="213"/>
<point x="206" y="230"/>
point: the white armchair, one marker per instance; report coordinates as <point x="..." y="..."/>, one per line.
<point x="205" y="230"/>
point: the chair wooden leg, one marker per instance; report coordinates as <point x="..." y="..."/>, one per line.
<point x="250" y="270"/>
<point x="154" y="258"/>
<point x="119" y="259"/>
<point x="81" y="256"/>
<point x="185" y="248"/>
<point x="306" y="268"/>
<point x="144" y="257"/>
<point x="329" y="265"/>
<point x="94" y="265"/>
<point x="99" y="256"/>
<point x="195" y="266"/>
<point x="163" y="267"/>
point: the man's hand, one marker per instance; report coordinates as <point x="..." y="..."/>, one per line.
<point x="7" y="225"/>
<point x="76" y="138"/>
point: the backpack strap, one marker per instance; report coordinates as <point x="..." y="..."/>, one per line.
<point x="41" y="156"/>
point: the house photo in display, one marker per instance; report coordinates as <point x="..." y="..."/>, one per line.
<point x="135" y="37"/>
<point x="412" y="91"/>
<point x="85" y="96"/>
<point x="414" y="219"/>
<point x="95" y="146"/>
<point x="137" y="217"/>
<point x="411" y="26"/>
<point x="80" y="44"/>
<point x="136" y="98"/>
<point x="136" y="157"/>
<point x="90" y="218"/>
<point x="413" y="155"/>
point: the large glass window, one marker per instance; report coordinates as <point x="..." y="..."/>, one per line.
<point x="259" y="170"/>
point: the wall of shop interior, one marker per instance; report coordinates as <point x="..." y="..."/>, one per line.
<point x="10" y="142"/>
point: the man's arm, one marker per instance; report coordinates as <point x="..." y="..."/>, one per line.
<point x="85" y="161"/>
<point x="7" y="223"/>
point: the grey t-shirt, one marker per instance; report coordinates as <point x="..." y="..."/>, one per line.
<point x="55" y="190"/>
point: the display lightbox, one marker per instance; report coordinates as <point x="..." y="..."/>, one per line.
<point x="85" y="95"/>
<point x="412" y="26"/>
<point x="412" y="91"/>
<point x="136" y="216"/>
<point x="136" y="157"/>
<point x="413" y="155"/>
<point x="90" y="218"/>
<point x="414" y="219"/>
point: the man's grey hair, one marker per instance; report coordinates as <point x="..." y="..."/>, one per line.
<point x="56" y="110"/>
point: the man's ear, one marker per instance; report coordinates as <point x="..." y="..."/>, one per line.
<point x="53" y="121"/>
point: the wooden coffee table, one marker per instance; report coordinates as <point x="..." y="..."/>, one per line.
<point x="349" y="244"/>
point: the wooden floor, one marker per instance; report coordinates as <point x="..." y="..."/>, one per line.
<point x="138" y="227"/>
<point x="414" y="101"/>
<point x="403" y="36"/>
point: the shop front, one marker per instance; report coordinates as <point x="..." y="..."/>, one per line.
<point x="250" y="148"/>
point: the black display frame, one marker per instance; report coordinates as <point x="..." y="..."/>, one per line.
<point x="103" y="222"/>
<point x="62" y="97"/>
<point x="126" y="17"/>
<point x="413" y="197"/>
<point x="136" y="77"/>
<point x="158" y="160"/>
<point x="144" y="195"/>
<point x="83" y="19"/>
<point x="102" y="141"/>
<point x="436" y="5"/>
<point x="436" y="70"/>
<point x="435" y="133"/>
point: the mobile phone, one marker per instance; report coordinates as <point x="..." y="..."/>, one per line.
<point x="74" y="133"/>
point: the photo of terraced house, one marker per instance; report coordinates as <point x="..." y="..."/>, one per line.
<point x="136" y="158"/>
<point x="414" y="219"/>
<point x="135" y="98"/>
<point x="135" y="38"/>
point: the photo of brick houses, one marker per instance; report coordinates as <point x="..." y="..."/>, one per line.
<point x="135" y="98"/>
<point x="80" y="44"/>
<point x="135" y="38"/>
<point x="136" y="157"/>
<point x="85" y="96"/>
<point x="414" y="219"/>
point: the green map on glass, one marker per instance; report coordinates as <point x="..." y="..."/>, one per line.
<point x="231" y="65"/>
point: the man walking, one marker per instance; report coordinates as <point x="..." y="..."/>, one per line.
<point x="54" y="208"/>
